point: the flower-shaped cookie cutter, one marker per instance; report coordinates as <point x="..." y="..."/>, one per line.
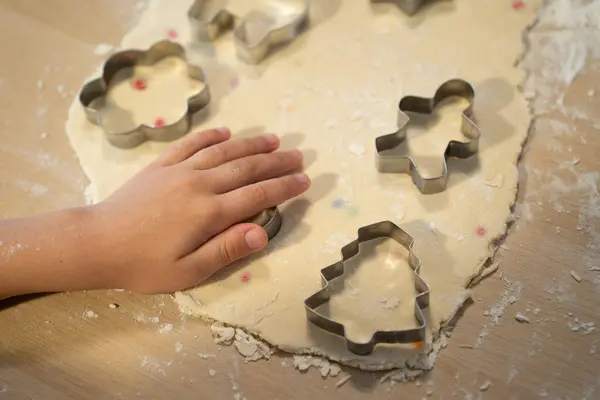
<point x="336" y="272"/>
<point x="275" y="23"/>
<point x="94" y="91"/>
<point x="410" y="7"/>
<point x="455" y="149"/>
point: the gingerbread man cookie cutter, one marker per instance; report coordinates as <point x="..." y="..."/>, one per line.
<point x="94" y="91"/>
<point x="335" y="272"/>
<point x="275" y="23"/>
<point x="455" y="149"/>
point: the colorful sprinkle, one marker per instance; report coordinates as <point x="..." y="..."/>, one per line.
<point x="245" y="277"/>
<point x="159" y="122"/>
<point x="480" y="231"/>
<point x="338" y="203"/>
<point x="172" y="34"/>
<point x="353" y="211"/>
<point x="418" y="345"/>
<point x="139" y="84"/>
<point x="518" y="5"/>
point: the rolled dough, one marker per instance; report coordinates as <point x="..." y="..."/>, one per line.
<point x="330" y="93"/>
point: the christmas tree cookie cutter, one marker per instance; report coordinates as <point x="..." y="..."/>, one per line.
<point x="336" y="272"/>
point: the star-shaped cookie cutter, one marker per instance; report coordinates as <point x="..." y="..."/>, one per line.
<point x="276" y="23"/>
<point x="455" y="149"/>
<point x="335" y="272"/>
<point x="94" y="91"/>
<point x="410" y="7"/>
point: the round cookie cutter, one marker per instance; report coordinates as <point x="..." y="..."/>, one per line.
<point x="269" y="219"/>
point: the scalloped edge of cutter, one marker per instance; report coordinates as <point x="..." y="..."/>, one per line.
<point x="98" y="88"/>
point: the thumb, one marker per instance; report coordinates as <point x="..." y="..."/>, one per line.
<point x="235" y="243"/>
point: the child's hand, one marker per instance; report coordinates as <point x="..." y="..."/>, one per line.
<point x="178" y="220"/>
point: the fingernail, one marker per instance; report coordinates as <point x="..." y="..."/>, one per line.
<point x="255" y="239"/>
<point x="298" y="154"/>
<point x="222" y="129"/>
<point x="302" y="179"/>
<point x="271" y="139"/>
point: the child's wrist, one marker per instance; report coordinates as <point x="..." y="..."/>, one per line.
<point x="76" y="255"/>
<point x="51" y="260"/>
<point x="96" y="255"/>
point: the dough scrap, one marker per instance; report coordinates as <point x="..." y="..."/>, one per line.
<point x="326" y="368"/>
<point x="250" y="348"/>
<point x="330" y="93"/>
<point x="222" y="334"/>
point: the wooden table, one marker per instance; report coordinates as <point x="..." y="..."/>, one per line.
<point x="75" y="346"/>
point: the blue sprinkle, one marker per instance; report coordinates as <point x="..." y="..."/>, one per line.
<point x="337" y="203"/>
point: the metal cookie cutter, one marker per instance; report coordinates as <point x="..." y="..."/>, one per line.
<point x="334" y="272"/>
<point x="93" y="92"/>
<point x="410" y="7"/>
<point x="209" y="18"/>
<point x="270" y="220"/>
<point x="279" y="22"/>
<point x="455" y="149"/>
<point x="274" y="23"/>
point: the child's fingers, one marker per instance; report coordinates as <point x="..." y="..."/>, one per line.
<point x="216" y="155"/>
<point x="248" y="170"/>
<point x="247" y="201"/>
<point x="235" y="243"/>
<point x="192" y="144"/>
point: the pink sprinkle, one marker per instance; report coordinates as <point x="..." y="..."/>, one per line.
<point x="172" y="34"/>
<point x="480" y="231"/>
<point x="139" y="84"/>
<point x="518" y="5"/>
<point x="159" y="122"/>
<point x="245" y="277"/>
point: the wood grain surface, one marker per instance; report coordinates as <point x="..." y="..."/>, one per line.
<point x="74" y="346"/>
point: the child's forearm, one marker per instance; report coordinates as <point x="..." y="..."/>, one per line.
<point x="57" y="251"/>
